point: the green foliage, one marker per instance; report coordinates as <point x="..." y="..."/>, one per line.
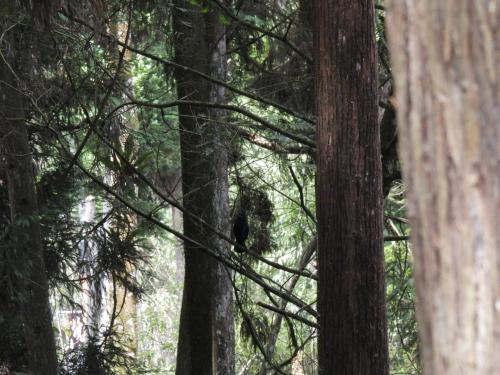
<point x="403" y="341"/>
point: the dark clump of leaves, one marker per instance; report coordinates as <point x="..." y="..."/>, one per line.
<point x="99" y="357"/>
<point x="259" y="209"/>
<point x="57" y="195"/>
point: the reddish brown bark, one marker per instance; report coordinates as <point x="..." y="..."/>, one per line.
<point x="446" y="57"/>
<point x="351" y="302"/>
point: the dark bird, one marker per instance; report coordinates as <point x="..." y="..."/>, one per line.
<point x="240" y="231"/>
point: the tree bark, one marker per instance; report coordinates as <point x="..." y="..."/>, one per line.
<point x="206" y="337"/>
<point x="351" y="295"/>
<point x="28" y="268"/>
<point x="446" y="59"/>
<point x="224" y="348"/>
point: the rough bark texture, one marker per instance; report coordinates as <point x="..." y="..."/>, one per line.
<point x="224" y="360"/>
<point x="446" y="58"/>
<point x="351" y="302"/>
<point x="206" y="337"/>
<point x="25" y="258"/>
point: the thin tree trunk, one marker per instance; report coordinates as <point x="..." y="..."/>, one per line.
<point x="26" y="255"/>
<point x="206" y="337"/>
<point x="351" y="294"/>
<point x="224" y="339"/>
<point x="446" y="58"/>
<point x="278" y="319"/>
<point x="92" y="287"/>
<point x="126" y="320"/>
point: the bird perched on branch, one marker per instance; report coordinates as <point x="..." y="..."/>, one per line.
<point x="240" y="231"/>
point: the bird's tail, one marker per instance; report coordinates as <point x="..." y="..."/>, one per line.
<point x="240" y="247"/>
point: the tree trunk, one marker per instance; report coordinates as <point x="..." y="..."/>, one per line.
<point x="446" y="59"/>
<point x="223" y="290"/>
<point x="206" y="337"/>
<point x="92" y="287"/>
<point x="26" y="257"/>
<point x="351" y="295"/>
<point x="278" y="318"/>
<point x="126" y="319"/>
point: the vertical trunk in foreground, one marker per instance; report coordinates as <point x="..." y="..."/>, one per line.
<point x="26" y="254"/>
<point x="223" y="325"/>
<point x="351" y="302"/>
<point x="446" y="65"/>
<point x="206" y="337"/>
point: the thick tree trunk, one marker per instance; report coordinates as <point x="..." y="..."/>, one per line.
<point x="351" y="301"/>
<point x="28" y="268"/>
<point x="446" y="59"/>
<point x="206" y="337"/>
